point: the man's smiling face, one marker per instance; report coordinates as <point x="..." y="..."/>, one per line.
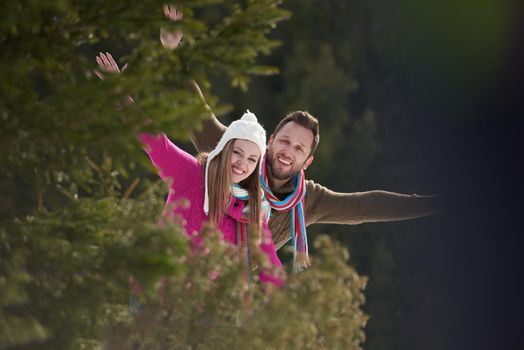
<point x="290" y="150"/>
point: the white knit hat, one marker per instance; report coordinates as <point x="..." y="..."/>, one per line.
<point x="245" y="128"/>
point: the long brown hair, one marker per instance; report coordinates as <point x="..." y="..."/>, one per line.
<point x="219" y="186"/>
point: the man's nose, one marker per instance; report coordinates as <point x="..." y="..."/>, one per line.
<point x="287" y="151"/>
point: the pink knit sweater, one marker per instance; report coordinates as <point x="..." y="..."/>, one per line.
<point x="185" y="176"/>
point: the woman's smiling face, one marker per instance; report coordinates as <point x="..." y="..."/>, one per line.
<point x="244" y="159"/>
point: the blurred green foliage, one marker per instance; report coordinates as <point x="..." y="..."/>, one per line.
<point x="79" y="215"/>
<point x="65" y="273"/>
<point x="320" y="309"/>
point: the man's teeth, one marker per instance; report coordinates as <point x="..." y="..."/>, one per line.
<point x="284" y="161"/>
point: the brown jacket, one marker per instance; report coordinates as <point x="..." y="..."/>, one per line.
<point x="325" y="206"/>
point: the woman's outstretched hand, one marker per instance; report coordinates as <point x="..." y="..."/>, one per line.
<point x="107" y="64"/>
<point x="170" y="40"/>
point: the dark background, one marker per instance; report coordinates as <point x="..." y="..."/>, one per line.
<point x="416" y="98"/>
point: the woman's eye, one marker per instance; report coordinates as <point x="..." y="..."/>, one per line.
<point x="252" y="160"/>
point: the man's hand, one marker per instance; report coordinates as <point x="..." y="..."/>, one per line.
<point x="107" y="64"/>
<point x="172" y="14"/>
<point x="170" y="40"/>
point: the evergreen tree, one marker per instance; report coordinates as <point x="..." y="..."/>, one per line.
<point x="77" y="215"/>
<point x="320" y="309"/>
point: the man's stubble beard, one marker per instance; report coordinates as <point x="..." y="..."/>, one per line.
<point x="279" y="176"/>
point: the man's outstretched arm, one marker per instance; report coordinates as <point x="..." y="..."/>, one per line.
<point x="206" y="138"/>
<point x="326" y="206"/>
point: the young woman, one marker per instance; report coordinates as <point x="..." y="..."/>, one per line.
<point x="223" y="188"/>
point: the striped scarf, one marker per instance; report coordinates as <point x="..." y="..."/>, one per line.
<point x="242" y="226"/>
<point x="295" y="204"/>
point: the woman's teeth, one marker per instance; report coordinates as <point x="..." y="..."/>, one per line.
<point x="238" y="171"/>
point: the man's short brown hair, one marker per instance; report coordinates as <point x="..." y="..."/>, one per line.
<point x="306" y="120"/>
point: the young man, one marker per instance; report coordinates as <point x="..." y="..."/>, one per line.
<point x="296" y="202"/>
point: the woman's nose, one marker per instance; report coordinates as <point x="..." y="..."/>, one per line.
<point x="240" y="161"/>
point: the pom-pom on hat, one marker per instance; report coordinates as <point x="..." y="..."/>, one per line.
<point x="245" y="128"/>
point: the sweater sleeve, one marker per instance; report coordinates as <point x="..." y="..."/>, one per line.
<point x="171" y="161"/>
<point x="326" y="206"/>
<point x="206" y="138"/>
